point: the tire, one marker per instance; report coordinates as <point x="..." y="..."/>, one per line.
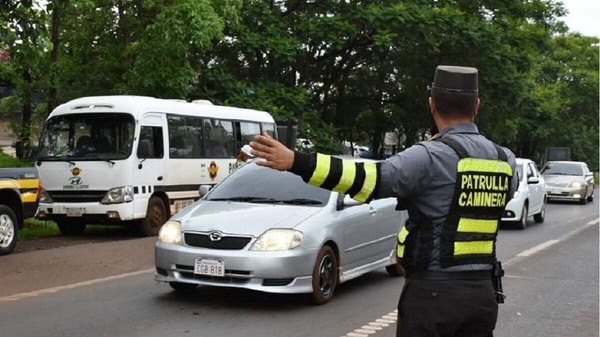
<point x="9" y="230"/>
<point x="591" y="197"/>
<point x="70" y="228"/>
<point x="183" y="287"/>
<point x="584" y="200"/>
<point x="522" y="223"/>
<point x="324" y="276"/>
<point x="156" y="216"/>
<point x="395" y="270"/>
<point x="539" y="218"/>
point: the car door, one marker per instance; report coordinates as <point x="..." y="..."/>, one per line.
<point x="360" y="232"/>
<point x="536" y="189"/>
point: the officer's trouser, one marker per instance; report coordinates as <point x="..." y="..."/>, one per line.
<point x="447" y="308"/>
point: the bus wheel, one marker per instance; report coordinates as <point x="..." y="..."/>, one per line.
<point x="156" y="216"/>
<point x="70" y="227"/>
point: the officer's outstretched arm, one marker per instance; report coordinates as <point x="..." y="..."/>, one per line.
<point x="357" y="179"/>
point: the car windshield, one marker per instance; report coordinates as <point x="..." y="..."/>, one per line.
<point x="567" y="169"/>
<point x="253" y="183"/>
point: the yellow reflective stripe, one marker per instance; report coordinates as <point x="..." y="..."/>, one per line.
<point x="402" y="235"/>
<point x="473" y="247"/>
<point x="29" y="197"/>
<point x="400" y="251"/>
<point x="321" y="171"/>
<point x="466" y="225"/>
<point x="369" y="184"/>
<point x="484" y="165"/>
<point x="348" y="176"/>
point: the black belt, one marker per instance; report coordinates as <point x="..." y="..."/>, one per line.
<point x="448" y="275"/>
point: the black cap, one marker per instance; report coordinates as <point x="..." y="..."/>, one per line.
<point x="455" y="79"/>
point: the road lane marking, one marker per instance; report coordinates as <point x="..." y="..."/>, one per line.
<point x="542" y="246"/>
<point x="537" y="248"/>
<point x="375" y="326"/>
<point x="35" y="293"/>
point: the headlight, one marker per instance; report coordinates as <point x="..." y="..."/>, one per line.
<point x="576" y="184"/>
<point x="118" y="195"/>
<point x="278" y="239"/>
<point x="45" y="197"/>
<point x="170" y="232"/>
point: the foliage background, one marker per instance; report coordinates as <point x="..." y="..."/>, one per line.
<point x="347" y="70"/>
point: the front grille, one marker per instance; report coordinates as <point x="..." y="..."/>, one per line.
<point x="76" y="196"/>
<point x="277" y="282"/>
<point x="226" y="242"/>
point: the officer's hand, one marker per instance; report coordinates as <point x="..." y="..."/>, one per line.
<point x="275" y="154"/>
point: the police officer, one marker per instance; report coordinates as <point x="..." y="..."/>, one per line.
<point x="454" y="186"/>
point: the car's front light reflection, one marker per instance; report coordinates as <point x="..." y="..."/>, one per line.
<point x="576" y="184"/>
<point x="278" y="239"/>
<point x="170" y="232"/>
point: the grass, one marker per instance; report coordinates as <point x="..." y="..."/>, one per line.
<point x="35" y="229"/>
<point x="7" y="161"/>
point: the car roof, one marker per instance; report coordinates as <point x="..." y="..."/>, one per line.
<point x="523" y="160"/>
<point x="566" y="162"/>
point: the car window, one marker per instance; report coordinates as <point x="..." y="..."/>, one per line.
<point x="253" y="182"/>
<point x="533" y="170"/>
<point x="519" y="171"/>
<point x="528" y="171"/>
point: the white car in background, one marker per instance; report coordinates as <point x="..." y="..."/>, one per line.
<point x="529" y="199"/>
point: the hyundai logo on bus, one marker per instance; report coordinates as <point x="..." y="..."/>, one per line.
<point x="215" y="236"/>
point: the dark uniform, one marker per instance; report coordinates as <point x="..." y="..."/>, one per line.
<point x="455" y="187"/>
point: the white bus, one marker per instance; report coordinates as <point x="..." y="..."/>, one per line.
<point x="135" y="159"/>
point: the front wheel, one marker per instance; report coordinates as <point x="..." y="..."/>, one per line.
<point x="324" y="276"/>
<point x="156" y="216"/>
<point x="8" y="230"/>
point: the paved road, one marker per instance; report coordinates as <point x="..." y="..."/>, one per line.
<point x="107" y="289"/>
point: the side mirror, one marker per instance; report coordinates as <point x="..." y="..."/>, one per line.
<point x="204" y="189"/>
<point x="533" y="180"/>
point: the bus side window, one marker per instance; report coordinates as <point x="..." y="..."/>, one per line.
<point x="151" y="137"/>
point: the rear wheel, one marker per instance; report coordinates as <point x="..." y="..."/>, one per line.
<point x="395" y="270"/>
<point x="324" y="276"/>
<point x="9" y="232"/>
<point x="70" y="228"/>
<point x="156" y="216"/>
<point x="539" y="218"/>
<point x="522" y="224"/>
<point x="183" y="287"/>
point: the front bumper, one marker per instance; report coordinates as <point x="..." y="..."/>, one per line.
<point x="285" y="272"/>
<point x="566" y="193"/>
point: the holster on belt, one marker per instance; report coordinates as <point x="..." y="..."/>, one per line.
<point x="497" y="273"/>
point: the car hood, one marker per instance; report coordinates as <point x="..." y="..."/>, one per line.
<point x="561" y="179"/>
<point x="242" y="218"/>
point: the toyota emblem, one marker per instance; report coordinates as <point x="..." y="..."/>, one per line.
<point x="215" y="236"/>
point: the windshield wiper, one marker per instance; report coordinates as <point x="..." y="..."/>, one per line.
<point x="244" y="199"/>
<point x="301" y="201"/>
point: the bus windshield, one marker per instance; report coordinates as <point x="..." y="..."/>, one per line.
<point x="87" y="136"/>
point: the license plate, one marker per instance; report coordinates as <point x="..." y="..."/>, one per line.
<point x="74" y="212"/>
<point x="210" y="267"/>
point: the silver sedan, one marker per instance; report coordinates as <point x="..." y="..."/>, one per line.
<point x="569" y="181"/>
<point x="269" y="231"/>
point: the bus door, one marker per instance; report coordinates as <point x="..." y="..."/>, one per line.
<point x="149" y="174"/>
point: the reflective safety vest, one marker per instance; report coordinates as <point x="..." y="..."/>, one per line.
<point x="468" y="235"/>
